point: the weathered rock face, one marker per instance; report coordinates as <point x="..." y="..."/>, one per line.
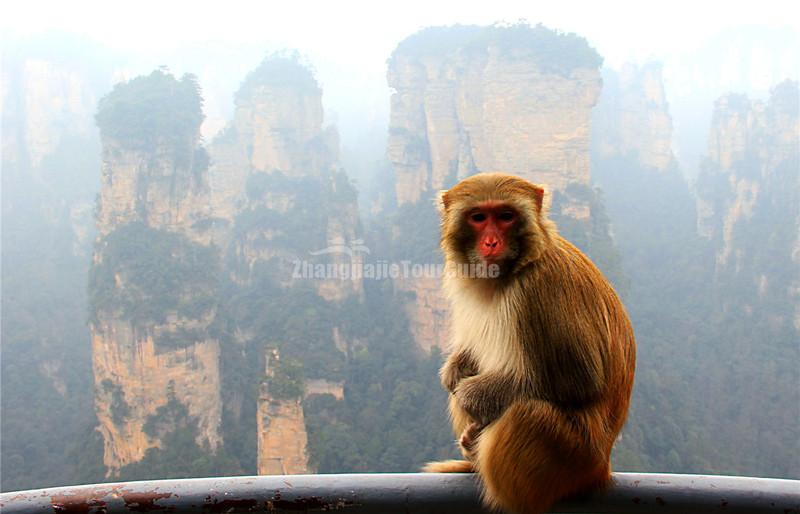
<point x="280" y="201"/>
<point x="492" y="107"/>
<point x="632" y="118"/>
<point x="49" y="98"/>
<point x="171" y="231"/>
<point x="427" y="309"/>
<point x="282" y="439"/>
<point x="472" y="99"/>
<point x="155" y="188"/>
<point x="277" y="162"/>
<point x="153" y="278"/>
<point x="132" y="380"/>
<point x="749" y="187"/>
<point x="143" y="351"/>
<point x="281" y="428"/>
<point x="276" y="127"/>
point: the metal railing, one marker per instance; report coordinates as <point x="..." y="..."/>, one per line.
<point x="400" y="493"/>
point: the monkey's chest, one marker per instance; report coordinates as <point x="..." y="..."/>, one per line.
<point x="487" y="333"/>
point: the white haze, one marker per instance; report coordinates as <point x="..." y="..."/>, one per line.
<point x="708" y="48"/>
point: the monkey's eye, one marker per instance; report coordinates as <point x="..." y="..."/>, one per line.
<point x="477" y="217"/>
<point x="506" y="216"/>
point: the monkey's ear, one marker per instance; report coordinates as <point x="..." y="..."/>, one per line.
<point x="538" y="197"/>
<point x="441" y="201"/>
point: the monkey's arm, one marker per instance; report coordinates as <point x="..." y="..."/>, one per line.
<point x="486" y="396"/>
<point x="458" y="366"/>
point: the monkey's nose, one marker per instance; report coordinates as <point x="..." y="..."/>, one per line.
<point x="490" y="243"/>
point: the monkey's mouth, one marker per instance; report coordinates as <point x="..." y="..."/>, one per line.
<point x="504" y="258"/>
<point x="489" y="258"/>
<point x="487" y="266"/>
<point x="494" y="256"/>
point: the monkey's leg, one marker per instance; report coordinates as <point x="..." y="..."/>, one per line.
<point x="458" y="416"/>
<point x="461" y="421"/>
<point x="534" y="455"/>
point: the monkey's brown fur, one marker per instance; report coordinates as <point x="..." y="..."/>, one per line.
<point x="542" y="359"/>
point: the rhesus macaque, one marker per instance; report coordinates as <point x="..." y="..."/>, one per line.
<point x="542" y="352"/>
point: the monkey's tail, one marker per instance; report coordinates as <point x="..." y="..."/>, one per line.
<point x="449" y="466"/>
<point x="533" y="456"/>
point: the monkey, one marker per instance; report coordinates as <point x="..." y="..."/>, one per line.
<point x="542" y="353"/>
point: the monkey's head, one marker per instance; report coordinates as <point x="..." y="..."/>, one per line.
<point x="494" y="218"/>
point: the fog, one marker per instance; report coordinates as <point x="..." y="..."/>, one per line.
<point x="707" y="48"/>
<point x="182" y="181"/>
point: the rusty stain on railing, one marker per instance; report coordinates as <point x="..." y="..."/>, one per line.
<point x="400" y="493"/>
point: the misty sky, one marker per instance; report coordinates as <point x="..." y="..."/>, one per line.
<point x="708" y="48"/>
<point x="363" y="33"/>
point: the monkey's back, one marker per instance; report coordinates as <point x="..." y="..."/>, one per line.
<point x="578" y="336"/>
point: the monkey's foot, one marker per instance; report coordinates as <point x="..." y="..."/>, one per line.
<point x="468" y="439"/>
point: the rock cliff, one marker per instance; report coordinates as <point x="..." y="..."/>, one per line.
<point x="632" y="118"/>
<point x="152" y="283"/>
<point x="427" y="309"/>
<point x="277" y="122"/>
<point x="280" y="423"/>
<point x="132" y="378"/>
<point x="42" y="102"/>
<point x="470" y="99"/>
<point x="191" y="241"/>
<point x="749" y="197"/>
<point x="49" y="141"/>
<point x="286" y="218"/>
<point x="282" y="439"/>
<point x="467" y="99"/>
<point x="154" y="188"/>
<point x="276" y="162"/>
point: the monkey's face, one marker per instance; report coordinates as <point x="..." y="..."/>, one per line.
<point x="488" y="235"/>
<point x="492" y="227"/>
<point x="492" y="219"/>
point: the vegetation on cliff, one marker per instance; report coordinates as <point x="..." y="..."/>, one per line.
<point x="119" y="407"/>
<point x="665" y="263"/>
<point x="688" y="314"/>
<point x="311" y="205"/>
<point x="145" y="274"/>
<point x="281" y="69"/>
<point x="393" y="415"/>
<point x="179" y="454"/>
<point x="554" y="51"/>
<point x="415" y="230"/>
<point x="149" y="111"/>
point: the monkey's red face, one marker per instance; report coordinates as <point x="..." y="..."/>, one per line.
<point x="492" y="223"/>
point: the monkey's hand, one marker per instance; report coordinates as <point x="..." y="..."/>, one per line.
<point x="486" y="396"/>
<point x="458" y="366"/>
